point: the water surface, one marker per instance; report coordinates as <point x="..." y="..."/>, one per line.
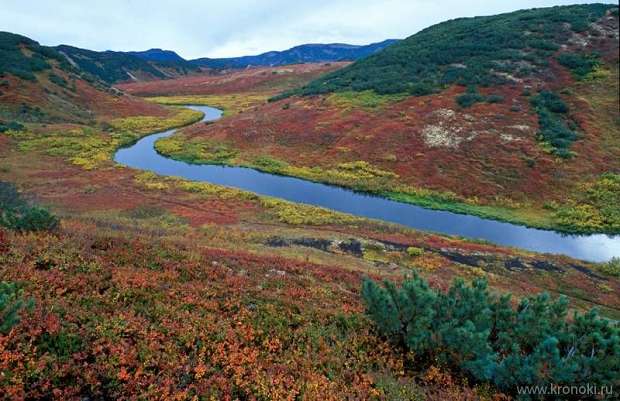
<point x="142" y="155"/>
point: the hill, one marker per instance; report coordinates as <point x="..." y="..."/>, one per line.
<point x="473" y="51"/>
<point x="40" y="85"/>
<point x="158" y="55"/>
<point x="513" y="117"/>
<point x="112" y="67"/>
<point x="309" y="53"/>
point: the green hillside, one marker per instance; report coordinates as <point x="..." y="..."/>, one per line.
<point x="112" y="67"/>
<point x="23" y="57"/>
<point x="469" y="51"/>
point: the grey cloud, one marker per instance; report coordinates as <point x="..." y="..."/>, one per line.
<point x="196" y="28"/>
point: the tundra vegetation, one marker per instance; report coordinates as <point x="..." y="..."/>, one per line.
<point x="129" y="285"/>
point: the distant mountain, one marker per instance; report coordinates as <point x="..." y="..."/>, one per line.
<point x="309" y="53"/>
<point x="159" y="55"/>
<point x="112" y="67"/>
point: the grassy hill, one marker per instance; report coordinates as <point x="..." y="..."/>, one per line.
<point x="471" y="51"/>
<point x="23" y="57"/>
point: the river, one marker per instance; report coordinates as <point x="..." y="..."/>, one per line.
<point x="142" y="155"/>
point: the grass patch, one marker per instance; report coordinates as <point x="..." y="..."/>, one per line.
<point x="595" y="207"/>
<point x="196" y="151"/>
<point x="298" y="214"/>
<point x="366" y="99"/>
<point x="230" y="103"/>
<point x="89" y="148"/>
<point x="150" y="124"/>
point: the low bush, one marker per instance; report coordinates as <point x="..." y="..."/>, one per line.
<point x="593" y="207"/>
<point x="580" y="65"/>
<point x="10" y="126"/>
<point x="483" y="337"/>
<point x="554" y="126"/>
<point x="17" y="214"/>
<point x="469" y="98"/>
<point x="611" y="268"/>
<point x="12" y="301"/>
<point x="58" y="80"/>
<point x="472" y="96"/>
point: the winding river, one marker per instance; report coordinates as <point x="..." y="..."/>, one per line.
<point x="142" y="155"/>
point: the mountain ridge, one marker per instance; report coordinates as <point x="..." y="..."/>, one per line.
<point x="310" y="52"/>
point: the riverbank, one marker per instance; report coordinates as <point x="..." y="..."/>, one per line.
<point x="142" y="155"/>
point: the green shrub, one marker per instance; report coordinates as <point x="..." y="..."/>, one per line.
<point x="481" y="335"/>
<point x="29" y="218"/>
<point x="421" y="89"/>
<point x="472" y="96"/>
<point x="58" y="80"/>
<point x="469" y="98"/>
<point x="494" y="99"/>
<point x="11" y="303"/>
<point x="16" y="214"/>
<point x="61" y="344"/>
<point x="611" y="268"/>
<point x="415" y="251"/>
<point x="554" y="127"/>
<point x="579" y="64"/>
<point x="550" y="101"/>
<point x="10" y="126"/>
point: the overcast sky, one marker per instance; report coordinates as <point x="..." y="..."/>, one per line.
<point x="206" y="28"/>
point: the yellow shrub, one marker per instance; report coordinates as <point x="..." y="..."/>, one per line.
<point x="149" y="124"/>
<point x="230" y="103"/>
<point x="292" y="213"/>
<point x="150" y="181"/>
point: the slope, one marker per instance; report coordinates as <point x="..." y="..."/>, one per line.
<point x="469" y="51"/>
